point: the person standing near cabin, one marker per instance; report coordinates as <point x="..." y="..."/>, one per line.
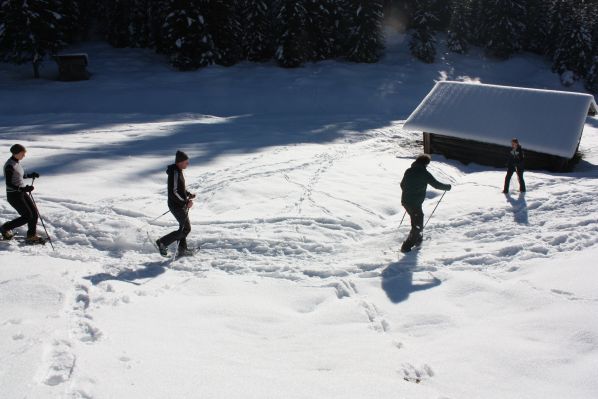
<point x="515" y="163"/>
<point x="17" y="194"/>
<point x="179" y="202"/>
<point x="414" y="185"/>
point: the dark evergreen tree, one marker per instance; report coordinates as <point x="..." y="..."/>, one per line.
<point x="223" y="19"/>
<point x="158" y="10"/>
<point x="591" y="15"/>
<point x="592" y="77"/>
<point x="140" y="33"/>
<point x="29" y="30"/>
<point x="559" y="11"/>
<point x="459" y="27"/>
<point x="423" y="41"/>
<point x="505" y="25"/>
<point x="320" y="35"/>
<point x="89" y="16"/>
<point x="573" y="55"/>
<point x="537" y="26"/>
<point x="476" y="22"/>
<point x="365" y="38"/>
<point x="443" y="10"/>
<point x="291" y="35"/>
<point x="71" y="22"/>
<point x="257" y="28"/>
<point x="187" y="39"/>
<point x="118" y="20"/>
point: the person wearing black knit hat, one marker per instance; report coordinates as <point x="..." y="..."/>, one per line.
<point x="179" y="202"/>
<point x="17" y="196"/>
<point x="414" y="185"/>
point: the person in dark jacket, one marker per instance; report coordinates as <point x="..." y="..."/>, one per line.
<point x="414" y="185"/>
<point x="17" y="194"/>
<point x="515" y="163"/>
<point x="179" y="202"/>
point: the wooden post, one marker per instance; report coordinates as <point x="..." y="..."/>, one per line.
<point x="427" y="143"/>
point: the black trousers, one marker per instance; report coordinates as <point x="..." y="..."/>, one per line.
<point x="510" y="171"/>
<point x="180" y="235"/>
<point x="28" y="214"/>
<point x="417" y="224"/>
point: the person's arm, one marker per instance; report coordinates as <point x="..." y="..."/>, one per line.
<point x="175" y="189"/>
<point x="9" y="173"/>
<point x="436" y="184"/>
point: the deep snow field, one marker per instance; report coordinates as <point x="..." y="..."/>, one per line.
<point x="299" y="290"/>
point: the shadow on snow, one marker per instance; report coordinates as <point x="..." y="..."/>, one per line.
<point x="151" y="270"/>
<point x="397" y="279"/>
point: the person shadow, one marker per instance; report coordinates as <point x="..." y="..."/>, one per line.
<point x="397" y="279"/>
<point x="519" y="208"/>
<point x="151" y="270"/>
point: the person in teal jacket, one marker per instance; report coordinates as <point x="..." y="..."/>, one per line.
<point x="414" y="185"/>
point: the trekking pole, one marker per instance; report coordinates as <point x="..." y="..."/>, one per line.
<point x="154" y="219"/>
<point x="403" y="218"/>
<point x="40" y="217"/>
<point x="430" y="217"/>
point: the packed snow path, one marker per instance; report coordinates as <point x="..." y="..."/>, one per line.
<point x="315" y="210"/>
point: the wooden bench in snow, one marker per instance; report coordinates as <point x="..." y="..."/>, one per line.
<point x="475" y="123"/>
<point x="72" y="67"/>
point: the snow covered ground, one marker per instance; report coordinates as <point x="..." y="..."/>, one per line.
<point x="299" y="291"/>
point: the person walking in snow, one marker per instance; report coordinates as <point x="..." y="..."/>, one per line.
<point x="179" y="202"/>
<point x="17" y="194"/>
<point x="515" y="163"/>
<point x="414" y="185"/>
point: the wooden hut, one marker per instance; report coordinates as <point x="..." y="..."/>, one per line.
<point x="474" y="122"/>
<point x="72" y="67"/>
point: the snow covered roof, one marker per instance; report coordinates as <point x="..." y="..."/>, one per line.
<point x="545" y="121"/>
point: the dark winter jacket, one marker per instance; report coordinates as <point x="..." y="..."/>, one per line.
<point x="14" y="175"/>
<point x="415" y="183"/>
<point x="515" y="159"/>
<point x="177" y="192"/>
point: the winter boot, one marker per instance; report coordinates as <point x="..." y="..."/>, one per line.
<point x="406" y="247"/>
<point x="34" y="240"/>
<point x="182" y="252"/>
<point x="6" y="234"/>
<point x="162" y="248"/>
<point x="418" y="241"/>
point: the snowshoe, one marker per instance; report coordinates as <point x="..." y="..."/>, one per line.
<point x="181" y="253"/>
<point x="35" y="240"/>
<point x="7" y="234"/>
<point x="163" y="249"/>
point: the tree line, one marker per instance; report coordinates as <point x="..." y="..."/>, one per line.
<point x="197" y="33"/>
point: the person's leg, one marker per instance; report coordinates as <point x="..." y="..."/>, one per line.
<point x="32" y="222"/>
<point x="417" y="225"/>
<point x="508" y="179"/>
<point x="181" y="216"/>
<point x="416" y="215"/>
<point x="186" y="229"/>
<point x="17" y="201"/>
<point x="521" y="181"/>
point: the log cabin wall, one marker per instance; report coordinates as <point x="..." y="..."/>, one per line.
<point x="468" y="151"/>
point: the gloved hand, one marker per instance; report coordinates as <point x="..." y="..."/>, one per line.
<point x="192" y="196"/>
<point x="27" y="189"/>
<point x="34" y="175"/>
<point x="449" y="187"/>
